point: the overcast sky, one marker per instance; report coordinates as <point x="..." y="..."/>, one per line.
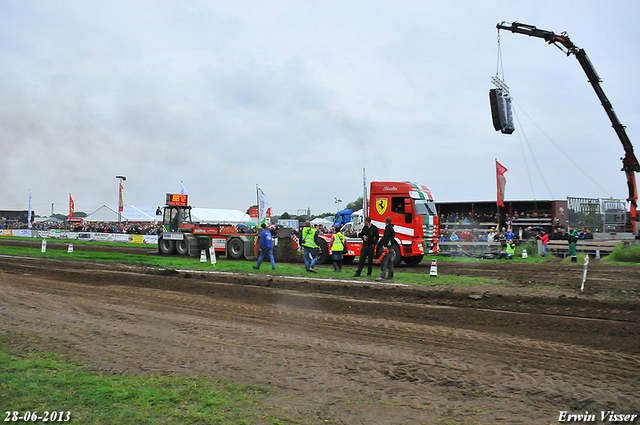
<point x="300" y="96"/>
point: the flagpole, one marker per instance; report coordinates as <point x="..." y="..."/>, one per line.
<point x="29" y="213"/>
<point x="365" y="210"/>
<point x="258" y="201"/>
<point x="495" y="165"/>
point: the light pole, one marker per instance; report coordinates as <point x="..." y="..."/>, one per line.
<point x="338" y="200"/>
<point x="120" y="202"/>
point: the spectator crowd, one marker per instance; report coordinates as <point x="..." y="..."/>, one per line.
<point x="463" y="227"/>
<point x="140" y="228"/>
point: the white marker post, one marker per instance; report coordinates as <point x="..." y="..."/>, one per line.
<point x="212" y="254"/>
<point x="44" y="246"/>
<point x="434" y="269"/>
<point x="584" y="273"/>
<point x="203" y="256"/>
<point x="70" y="249"/>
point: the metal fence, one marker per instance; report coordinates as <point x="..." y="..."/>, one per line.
<point x="615" y="215"/>
<point x="596" y="214"/>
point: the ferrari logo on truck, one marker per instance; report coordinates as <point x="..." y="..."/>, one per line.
<point x="381" y="205"/>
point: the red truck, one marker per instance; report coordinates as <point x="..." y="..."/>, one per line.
<point x="413" y="214"/>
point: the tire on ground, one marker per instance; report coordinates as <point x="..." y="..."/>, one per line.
<point x="182" y="247"/>
<point x="323" y="252"/>
<point x="398" y="259"/>
<point x="166" y="246"/>
<point x="235" y="249"/>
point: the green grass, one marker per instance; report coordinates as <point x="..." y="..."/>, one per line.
<point x="245" y="266"/>
<point x="517" y="258"/>
<point x="40" y="381"/>
<point x="628" y="255"/>
<point x="77" y="241"/>
<point x="579" y="259"/>
<point x="532" y="256"/>
<point x="620" y="256"/>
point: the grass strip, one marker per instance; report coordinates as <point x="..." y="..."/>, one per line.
<point x="76" y="241"/>
<point x="244" y="266"/>
<point x="37" y="381"/>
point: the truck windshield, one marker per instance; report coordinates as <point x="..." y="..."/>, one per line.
<point x="424" y="207"/>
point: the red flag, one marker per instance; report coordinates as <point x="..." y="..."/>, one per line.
<point x="502" y="181"/>
<point x="72" y="207"/>
<point x="121" y="201"/>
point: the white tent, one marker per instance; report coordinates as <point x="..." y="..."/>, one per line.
<point x="322" y="222"/>
<point x="131" y="213"/>
<point x="47" y="220"/>
<point x="210" y="215"/>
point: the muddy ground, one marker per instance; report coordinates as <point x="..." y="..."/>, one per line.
<point x="352" y="352"/>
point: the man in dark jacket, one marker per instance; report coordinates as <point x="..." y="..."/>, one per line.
<point x="587" y="234"/>
<point x="369" y="235"/>
<point x="386" y="250"/>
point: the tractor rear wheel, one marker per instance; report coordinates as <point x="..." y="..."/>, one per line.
<point x="166" y="246"/>
<point x="182" y="247"/>
<point x="235" y="249"/>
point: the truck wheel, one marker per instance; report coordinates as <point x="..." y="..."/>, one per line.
<point x="182" y="247"/>
<point x="323" y="252"/>
<point x="235" y="249"/>
<point x="166" y="246"/>
<point x="398" y="259"/>
<point x="413" y="261"/>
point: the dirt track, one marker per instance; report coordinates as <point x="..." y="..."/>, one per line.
<point x="352" y="353"/>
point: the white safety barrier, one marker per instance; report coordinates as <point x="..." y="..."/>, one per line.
<point x="212" y="254"/>
<point x="433" y="272"/>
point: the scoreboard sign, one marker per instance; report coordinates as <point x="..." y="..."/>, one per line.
<point x="177" y="200"/>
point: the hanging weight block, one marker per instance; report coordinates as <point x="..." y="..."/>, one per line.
<point x="501" y="111"/>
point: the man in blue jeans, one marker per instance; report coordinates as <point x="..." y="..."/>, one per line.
<point x="266" y="247"/>
<point x="310" y="243"/>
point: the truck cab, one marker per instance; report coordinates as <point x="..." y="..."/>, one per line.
<point x="414" y="217"/>
<point x="413" y="214"/>
<point x="342" y="217"/>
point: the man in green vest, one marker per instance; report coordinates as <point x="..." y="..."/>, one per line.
<point x="572" y="235"/>
<point x="338" y="243"/>
<point x="509" y="250"/>
<point x="309" y="240"/>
